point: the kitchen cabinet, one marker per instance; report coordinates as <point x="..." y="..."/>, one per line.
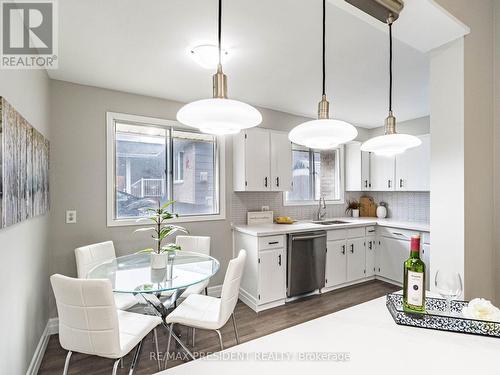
<point x="357" y="167"/>
<point x="382" y="172"/>
<point x="356" y="258"/>
<point x="336" y="263"/>
<point x="271" y="275"/>
<point x="371" y="247"/>
<point x="409" y="171"/>
<point x="413" y="167"/>
<point x="393" y="253"/>
<point x="281" y="162"/>
<point x="262" y="161"/>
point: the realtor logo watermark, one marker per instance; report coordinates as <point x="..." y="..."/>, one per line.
<point x="29" y="34"/>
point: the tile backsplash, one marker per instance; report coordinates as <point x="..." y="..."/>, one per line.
<point x="404" y="206"/>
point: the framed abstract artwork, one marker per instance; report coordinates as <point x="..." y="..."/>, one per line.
<point x="24" y="168"/>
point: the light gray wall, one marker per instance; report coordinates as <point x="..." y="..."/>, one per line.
<point x="78" y="173"/>
<point x="497" y="147"/>
<point x="24" y="249"/>
<point x="478" y="145"/>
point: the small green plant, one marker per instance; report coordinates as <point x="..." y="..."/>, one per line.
<point x="352" y="205"/>
<point x="160" y="228"/>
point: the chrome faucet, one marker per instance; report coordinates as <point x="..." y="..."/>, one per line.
<point x="321" y="209"/>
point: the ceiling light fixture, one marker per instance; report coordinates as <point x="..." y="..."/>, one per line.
<point x="207" y="55"/>
<point x="219" y="115"/>
<point x="323" y="133"/>
<point x="391" y="143"/>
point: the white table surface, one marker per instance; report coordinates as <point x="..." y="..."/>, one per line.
<point x="375" y="343"/>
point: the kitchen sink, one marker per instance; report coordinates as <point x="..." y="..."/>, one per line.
<point x="330" y="222"/>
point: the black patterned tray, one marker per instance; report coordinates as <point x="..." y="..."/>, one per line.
<point x="437" y="318"/>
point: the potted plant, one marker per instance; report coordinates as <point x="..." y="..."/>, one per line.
<point x="161" y="231"/>
<point x="353" y="207"/>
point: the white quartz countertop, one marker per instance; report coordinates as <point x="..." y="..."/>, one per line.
<point x="301" y="226"/>
<point x="374" y="343"/>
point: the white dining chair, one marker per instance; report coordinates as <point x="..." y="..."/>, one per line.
<point x="198" y="244"/>
<point x="90" y="323"/>
<point x="87" y="257"/>
<point x="206" y="312"/>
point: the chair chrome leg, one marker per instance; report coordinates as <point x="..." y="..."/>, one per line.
<point x="136" y="357"/>
<point x="194" y="333"/>
<point x="115" y="365"/>
<point x="66" y="363"/>
<point x="168" y="343"/>
<point x="155" y="336"/>
<point x="235" y="329"/>
<point x="220" y="339"/>
<point x="121" y="362"/>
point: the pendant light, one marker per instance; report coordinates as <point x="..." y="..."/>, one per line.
<point x="391" y="143"/>
<point x="219" y="115"/>
<point x="323" y="133"/>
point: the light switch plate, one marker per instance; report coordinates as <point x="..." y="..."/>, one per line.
<point x="71" y="217"/>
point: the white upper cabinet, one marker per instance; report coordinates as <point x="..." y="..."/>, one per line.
<point x="409" y="171"/>
<point x="413" y="167"/>
<point x="382" y="172"/>
<point x="281" y="162"/>
<point x="262" y="161"/>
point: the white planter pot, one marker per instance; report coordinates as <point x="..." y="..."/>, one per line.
<point x="159" y="261"/>
<point x="355" y="213"/>
<point x="381" y="212"/>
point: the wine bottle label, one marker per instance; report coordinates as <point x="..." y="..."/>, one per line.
<point x="415" y="289"/>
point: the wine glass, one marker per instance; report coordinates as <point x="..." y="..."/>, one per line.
<point x="449" y="285"/>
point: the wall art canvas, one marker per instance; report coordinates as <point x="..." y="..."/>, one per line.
<point x="24" y="168"/>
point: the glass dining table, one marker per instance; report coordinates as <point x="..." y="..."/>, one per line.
<point x="133" y="274"/>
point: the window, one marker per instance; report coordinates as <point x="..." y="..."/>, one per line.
<point x="151" y="161"/>
<point x="316" y="174"/>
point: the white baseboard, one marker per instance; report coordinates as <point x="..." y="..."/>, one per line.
<point x="36" y="361"/>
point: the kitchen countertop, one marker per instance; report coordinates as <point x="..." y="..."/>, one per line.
<point x="301" y="226"/>
<point x="375" y="344"/>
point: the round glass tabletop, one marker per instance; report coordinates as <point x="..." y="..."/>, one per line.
<point x="133" y="273"/>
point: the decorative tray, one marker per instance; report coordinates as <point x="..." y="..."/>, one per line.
<point x="437" y="318"/>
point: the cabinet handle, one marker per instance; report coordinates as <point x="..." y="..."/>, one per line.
<point x="352" y="248"/>
<point x="366" y="183"/>
<point x="279" y="260"/>
<point x="389" y="183"/>
<point x="277" y="182"/>
<point x="370" y="245"/>
<point x="343" y="249"/>
<point x="265" y="181"/>
<point x="273" y="243"/>
<point x="400" y="182"/>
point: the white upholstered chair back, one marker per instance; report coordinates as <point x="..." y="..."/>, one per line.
<point x="88" y="321"/>
<point x="231" y="286"/>
<point x="87" y="257"/>
<point x="198" y="244"/>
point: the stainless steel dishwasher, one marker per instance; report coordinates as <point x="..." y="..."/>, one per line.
<point x="306" y="257"/>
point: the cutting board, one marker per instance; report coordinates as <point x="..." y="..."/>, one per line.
<point x="368" y="207"/>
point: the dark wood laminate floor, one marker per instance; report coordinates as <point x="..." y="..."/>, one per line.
<point x="250" y="325"/>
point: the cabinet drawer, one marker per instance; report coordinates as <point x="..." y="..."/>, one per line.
<point x="371" y="230"/>
<point x="356" y="232"/>
<point x="338" y="234"/>
<point x="400" y="234"/>
<point x="271" y="242"/>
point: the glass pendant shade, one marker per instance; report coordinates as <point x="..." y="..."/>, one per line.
<point x="323" y="134"/>
<point x="219" y="116"/>
<point x="390" y="144"/>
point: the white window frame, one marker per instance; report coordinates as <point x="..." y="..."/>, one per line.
<point x="180" y="167"/>
<point x="315" y="202"/>
<point x="220" y="154"/>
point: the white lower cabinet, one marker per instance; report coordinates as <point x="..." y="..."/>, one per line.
<point x="336" y="263"/>
<point x="345" y="258"/>
<point x="272" y="275"/>
<point x="356" y="259"/>
<point x="392" y="255"/>
<point x="371" y="247"/>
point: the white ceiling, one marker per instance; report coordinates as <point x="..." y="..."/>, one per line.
<point x="142" y="47"/>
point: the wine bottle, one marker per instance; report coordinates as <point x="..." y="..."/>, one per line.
<point x="414" y="280"/>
